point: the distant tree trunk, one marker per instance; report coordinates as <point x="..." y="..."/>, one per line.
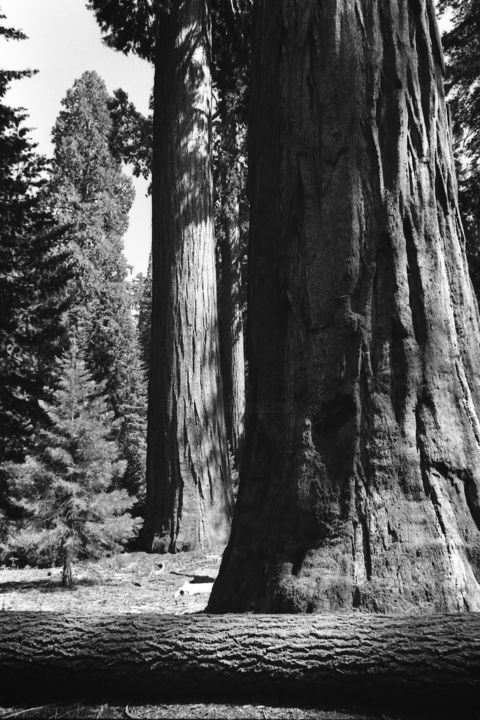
<point x="188" y="477"/>
<point x="427" y="663"/>
<point x="362" y="471"/>
<point x="67" y="570"/>
<point x="231" y="317"/>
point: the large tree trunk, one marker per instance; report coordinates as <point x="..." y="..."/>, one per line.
<point x="362" y="471"/>
<point x="189" y="500"/>
<point x="419" y="662"/>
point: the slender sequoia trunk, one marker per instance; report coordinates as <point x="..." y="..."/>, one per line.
<point x="188" y="477"/>
<point x="362" y="471"/>
<point x="427" y="662"/>
<point x="231" y="320"/>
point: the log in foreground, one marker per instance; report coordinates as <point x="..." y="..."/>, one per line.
<point x="413" y="661"/>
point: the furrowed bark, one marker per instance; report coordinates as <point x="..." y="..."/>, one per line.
<point x="415" y="662"/>
<point x="361" y="479"/>
<point x="189" y="497"/>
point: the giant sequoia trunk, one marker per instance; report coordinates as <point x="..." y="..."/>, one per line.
<point x="188" y="479"/>
<point x="421" y="663"/>
<point x="362" y="471"/>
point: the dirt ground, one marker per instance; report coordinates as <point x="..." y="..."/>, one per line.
<point x="132" y="583"/>
<point x="127" y="583"/>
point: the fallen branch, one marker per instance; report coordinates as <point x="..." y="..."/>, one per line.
<point x="411" y="661"/>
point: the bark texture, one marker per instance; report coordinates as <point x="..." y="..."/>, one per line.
<point x="189" y="498"/>
<point x="360" y="485"/>
<point x="420" y="662"/>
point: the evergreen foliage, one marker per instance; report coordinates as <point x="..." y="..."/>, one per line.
<point x="89" y="190"/>
<point x="35" y="267"/>
<point x="68" y="486"/>
<point x="131" y="138"/>
<point x="462" y="46"/>
<point x="130" y="25"/>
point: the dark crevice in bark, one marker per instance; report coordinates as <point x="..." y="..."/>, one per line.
<point x="361" y="514"/>
<point x="424" y="70"/>
<point x="334" y="414"/>
<point x="423" y="405"/>
<point x="392" y="532"/>
<point x="471" y="496"/>
<point x="388" y="116"/>
<point x="441" y="191"/>
<point x="399" y="366"/>
<point x="416" y="294"/>
<point x="435" y="36"/>
<point x="330" y="436"/>
<point x="179" y="512"/>
<point x="367" y="552"/>
<point x="382" y="311"/>
<point x="366" y="412"/>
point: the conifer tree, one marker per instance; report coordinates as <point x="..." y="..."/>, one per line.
<point x="90" y="191"/>
<point x="35" y="265"/>
<point x="67" y="488"/>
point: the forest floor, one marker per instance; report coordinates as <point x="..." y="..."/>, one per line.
<point x="132" y="583"/>
<point x="127" y="583"/>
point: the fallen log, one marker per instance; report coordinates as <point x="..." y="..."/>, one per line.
<point x="402" y="661"/>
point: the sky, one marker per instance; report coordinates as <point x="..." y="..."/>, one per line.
<point x="65" y="41"/>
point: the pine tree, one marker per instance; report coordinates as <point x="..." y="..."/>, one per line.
<point x="35" y="266"/>
<point x="67" y="488"/>
<point x="90" y="191"/>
